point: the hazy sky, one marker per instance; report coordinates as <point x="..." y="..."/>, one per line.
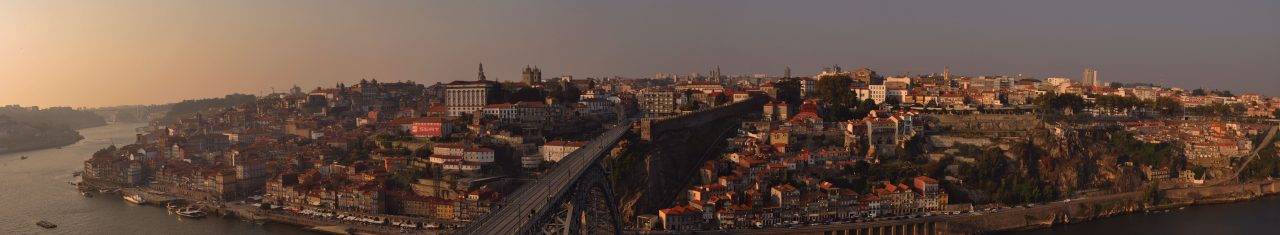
<point x="100" y="53"/>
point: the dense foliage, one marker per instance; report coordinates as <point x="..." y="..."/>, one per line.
<point x="190" y="107"/>
<point x="527" y="94"/>
<point x="789" y="91"/>
<point x="1130" y="149"/>
<point x="992" y="173"/>
<point x="834" y="90"/>
<point x="1267" y="164"/>
<point x="1066" y="104"/>
<point x="1217" y="109"/>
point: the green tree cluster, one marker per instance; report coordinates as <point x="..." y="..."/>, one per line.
<point x="1217" y="109"/>
<point x="189" y="107"/>
<point x="1116" y="102"/>
<point x="1132" y="149"/>
<point x="993" y="173"/>
<point x="1061" y="103"/>
<point x="1266" y="165"/>
<point x="789" y="91"/>
<point x="835" y="92"/>
<point x="1168" y="106"/>
<point x="528" y="94"/>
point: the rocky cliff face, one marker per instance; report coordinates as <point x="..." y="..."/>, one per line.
<point x="1080" y="159"/>
<point x="651" y="175"/>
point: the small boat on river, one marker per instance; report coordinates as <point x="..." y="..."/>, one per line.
<point x="135" y="199"/>
<point x="190" y="212"/>
<point x="46" y="224"/>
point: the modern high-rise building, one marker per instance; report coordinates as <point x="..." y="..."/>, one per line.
<point x="946" y="73"/>
<point x="1090" y="78"/>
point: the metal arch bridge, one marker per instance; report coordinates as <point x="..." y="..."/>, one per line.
<point x="573" y="198"/>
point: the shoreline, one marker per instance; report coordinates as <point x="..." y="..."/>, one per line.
<point x="1180" y="198"/>
<point x="1045" y="216"/>
<point x="54" y="144"/>
<point x="59" y="143"/>
<point x="248" y="214"/>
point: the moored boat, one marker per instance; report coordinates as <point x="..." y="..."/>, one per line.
<point x="191" y="212"/>
<point x="135" y="199"/>
<point x="46" y="224"/>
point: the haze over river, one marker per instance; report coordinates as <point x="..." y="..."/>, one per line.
<point x="36" y="189"/>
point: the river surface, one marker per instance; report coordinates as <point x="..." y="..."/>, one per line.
<point x="1252" y="217"/>
<point x="36" y="189"/>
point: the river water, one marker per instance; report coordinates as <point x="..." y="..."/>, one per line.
<point x="1252" y="217"/>
<point x="36" y="189"/>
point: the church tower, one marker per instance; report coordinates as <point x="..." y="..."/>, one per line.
<point x="537" y="74"/>
<point x="527" y="75"/>
<point x="481" y="75"/>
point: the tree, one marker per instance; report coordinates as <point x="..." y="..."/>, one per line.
<point x="1151" y="194"/>
<point x="789" y="91"/>
<point x="528" y="94"/>
<point x="1062" y="103"/>
<point x="1168" y="106"/>
<point x="571" y="94"/>
<point x="1198" y="92"/>
<point x="721" y="98"/>
<point x="1275" y="114"/>
<point x="1217" y="109"/>
<point x="862" y="110"/>
<point x="834" y="90"/>
<point x="1115" y="102"/>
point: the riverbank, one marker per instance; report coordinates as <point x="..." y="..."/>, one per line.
<point x="40" y="191"/>
<point x="32" y="145"/>
<point x="247" y="213"/>
<point x="1090" y="209"/>
<point x="46" y="140"/>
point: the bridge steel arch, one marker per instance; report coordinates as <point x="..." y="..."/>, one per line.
<point x="591" y="208"/>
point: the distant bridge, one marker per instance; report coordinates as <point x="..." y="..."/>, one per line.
<point x="576" y="196"/>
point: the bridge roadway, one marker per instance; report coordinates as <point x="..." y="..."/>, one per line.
<point x="523" y="205"/>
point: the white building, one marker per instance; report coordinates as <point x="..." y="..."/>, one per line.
<point x="558" y="149"/>
<point x="467" y="96"/>
<point x="530" y="161"/>
<point x="448" y="149"/>
<point x="478" y="155"/>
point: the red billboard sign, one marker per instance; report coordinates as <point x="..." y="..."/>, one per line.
<point x="426" y="129"/>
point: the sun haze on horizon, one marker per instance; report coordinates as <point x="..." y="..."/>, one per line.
<point x="105" y="53"/>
